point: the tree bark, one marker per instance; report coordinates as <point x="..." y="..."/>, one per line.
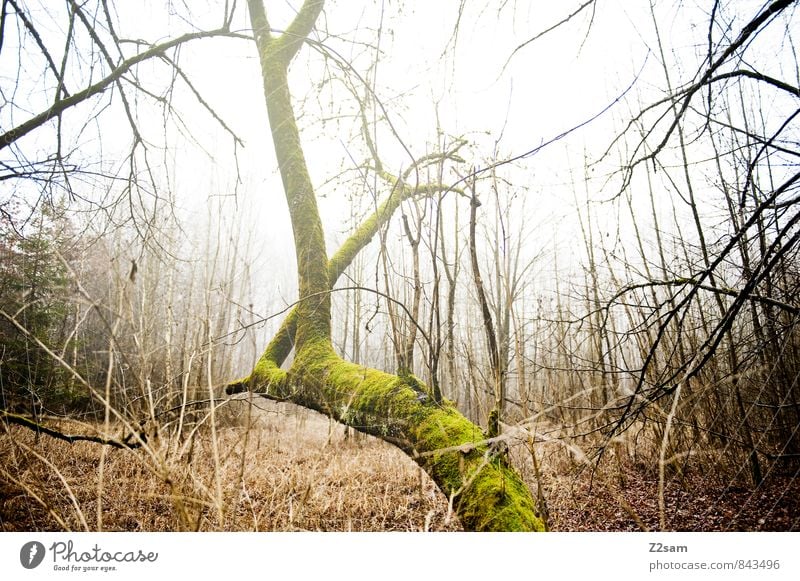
<point x="487" y="493"/>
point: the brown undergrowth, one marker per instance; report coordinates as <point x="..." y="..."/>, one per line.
<point x="621" y="493"/>
<point x="701" y="502"/>
<point x="284" y="469"/>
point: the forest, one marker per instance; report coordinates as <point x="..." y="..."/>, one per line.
<point x="318" y="265"/>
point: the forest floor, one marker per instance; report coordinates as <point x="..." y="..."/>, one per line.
<point x="698" y="501"/>
<point x="293" y="470"/>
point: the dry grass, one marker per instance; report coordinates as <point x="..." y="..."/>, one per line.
<point x="282" y="468"/>
<point x="621" y="492"/>
<point x="289" y="470"/>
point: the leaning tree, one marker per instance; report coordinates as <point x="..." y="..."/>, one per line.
<point x="487" y="493"/>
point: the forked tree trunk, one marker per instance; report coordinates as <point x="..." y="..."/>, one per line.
<point x="487" y="493"/>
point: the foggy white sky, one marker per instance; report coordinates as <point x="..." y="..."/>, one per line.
<point x="546" y="88"/>
<point x="425" y="73"/>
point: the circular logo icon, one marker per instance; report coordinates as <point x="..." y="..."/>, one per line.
<point x="31" y="554"/>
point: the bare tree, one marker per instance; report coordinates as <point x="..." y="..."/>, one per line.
<point x="697" y="316"/>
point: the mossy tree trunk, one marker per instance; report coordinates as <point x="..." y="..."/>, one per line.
<point x="487" y="493"/>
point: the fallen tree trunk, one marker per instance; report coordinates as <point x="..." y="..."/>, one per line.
<point x="487" y="494"/>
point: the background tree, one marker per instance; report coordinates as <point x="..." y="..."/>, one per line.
<point x="34" y="290"/>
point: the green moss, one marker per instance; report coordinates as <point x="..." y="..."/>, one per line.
<point x="493" y="428"/>
<point x="498" y="500"/>
<point x="282" y="343"/>
<point x="363" y="234"/>
<point x="442" y="428"/>
<point x="489" y="495"/>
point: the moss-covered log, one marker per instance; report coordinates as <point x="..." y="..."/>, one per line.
<point x="487" y="493"/>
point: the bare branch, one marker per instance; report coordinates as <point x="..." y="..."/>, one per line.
<point x="130" y="441"/>
<point x="62" y="105"/>
<point x="35" y="34"/>
<point x="536" y="37"/>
